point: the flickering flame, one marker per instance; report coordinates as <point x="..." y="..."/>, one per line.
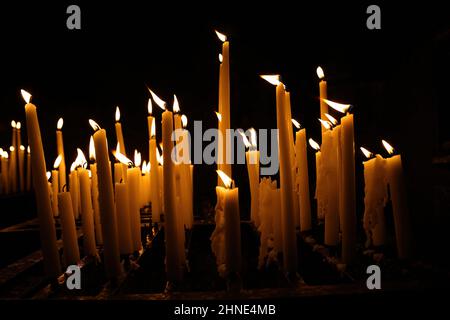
<point x="1" y="152"/>
<point x="11" y="149"/>
<point x="153" y="129"/>
<point x="176" y="105"/>
<point x="28" y="149"/>
<point x="145" y="167"/>
<point x="22" y="148"/>
<point x="220" y="57"/>
<point x="159" y="157"/>
<point x="57" y="162"/>
<point x="331" y="118"/>
<point x="158" y="101"/>
<point x="5" y="154"/>
<point x="81" y="159"/>
<point x="326" y="124"/>
<point x="253" y="138"/>
<point x="25" y="95"/>
<point x="366" y="152"/>
<point x="137" y="158"/>
<point x="245" y="140"/>
<point x="13" y="124"/>
<point x="184" y="121"/>
<point x="60" y="123"/>
<point x="388" y="147"/>
<point x="91" y="148"/>
<point x="48" y="174"/>
<point x="149" y="106"/>
<point x="272" y="79"/>
<point x="221" y="36"/>
<point x="295" y="123"/>
<point x="94" y="125"/>
<point x="122" y="158"/>
<point x="342" y="108"/>
<point x="117" y="114"/>
<point x="320" y="73"/>
<point x="73" y="166"/>
<point x="314" y="144"/>
<point x="18" y="125"/>
<point x="219" y="116"/>
<point x="227" y="181"/>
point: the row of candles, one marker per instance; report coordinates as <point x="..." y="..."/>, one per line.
<point x="110" y="211"/>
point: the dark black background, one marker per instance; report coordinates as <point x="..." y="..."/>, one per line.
<point x="396" y="77"/>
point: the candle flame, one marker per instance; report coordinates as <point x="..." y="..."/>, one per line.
<point x="176" y="105"/>
<point x="153" y="129"/>
<point x="13" y="124"/>
<point x="161" y="103"/>
<point x="22" y="147"/>
<point x="91" y="148"/>
<point x="73" y="166"/>
<point x="272" y="79"/>
<point x="219" y="116"/>
<point x="245" y="140"/>
<point x="57" y="162"/>
<point x="320" y="72"/>
<point x="94" y="125"/>
<point x="25" y="95"/>
<point x="388" y="147"/>
<point x="1" y="152"/>
<point x="184" y="120"/>
<point x="227" y="181"/>
<point x="18" y="125"/>
<point x="145" y="167"/>
<point x="122" y="158"/>
<point x="149" y="106"/>
<point x="220" y="57"/>
<point x="342" y="108"/>
<point x="11" y="149"/>
<point x="253" y="138"/>
<point x="28" y="149"/>
<point x="137" y="158"/>
<point x="117" y="114"/>
<point x="314" y="144"/>
<point x="5" y="154"/>
<point x="296" y="123"/>
<point x="221" y="36"/>
<point x="331" y="119"/>
<point x="81" y="159"/>
<point x="60" y="123"/>
<point x="326" y="124"/>
<point x="366" y="152"/>
<point x="48" y="174"/>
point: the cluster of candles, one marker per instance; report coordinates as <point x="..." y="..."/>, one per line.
<point x="110" y="204"/>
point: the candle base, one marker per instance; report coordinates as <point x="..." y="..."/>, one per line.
<point x="234" y="282"/>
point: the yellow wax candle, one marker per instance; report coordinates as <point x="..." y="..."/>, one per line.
<point x="155" y="181"/>
<point x="319" y="180"/>
<point x="252" y="158"/>
<point x="123" y="218"/>
<point x="55" y="191"/>
<point x="28" y="169"/>
<point x="87" y="213"/>
<point x="13" y="168"/>
<point x="96" y="205"/>
<point x="323" y="95"/>
<point x="286" y="185"/>
<point x="44" y="209"/>
<point x="399" y="204"/>
<point x="69" y="231"/>
<point x="21" y="168"/>
<point x="60" y="151"/>
<point x="303" y="179"/>
<point x="106" y="204"/>
<point x="119" y="133"/>
<point x="269" y="212"/>
<point x="375" y="198"/>
<point x="74" y="189"/>
<point x="5" y="173"/>
<point x="133" y="182"/>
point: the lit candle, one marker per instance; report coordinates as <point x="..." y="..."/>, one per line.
<point x="375" y="198"/>
<point x="44" y="209"/>
<point x="74" y="189"/>
<point x="87" y="212"/>
<point x="106" y="203"/>
<point x="119" y="133"/>
<point x="252" y="157"/>
<point x="286" y="183"/>
<point x="302" y="177"/>
<point x="94" y="188"/>
<point x="69" y="231"/>
<point x="323" y="95"/>
<point x="55" y="186"/>
<point x="224" y="105"/>
<point x="5" y="173"/>
<point x="28" y="169"/>
<point x="319" y="180"/>
<point x="13" y="168"/>
<point x="21" y="168"/>
<point x="399" y="203"/>
<point x="60" y="151"/>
